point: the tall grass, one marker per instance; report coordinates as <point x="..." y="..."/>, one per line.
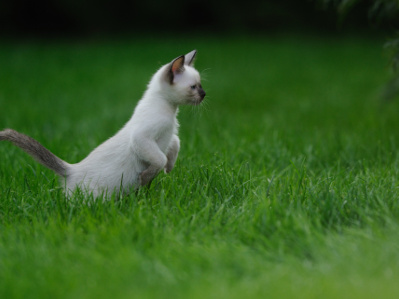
<point x="286" y="184"/>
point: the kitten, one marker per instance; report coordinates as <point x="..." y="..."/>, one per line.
<point x="147" y="144"/>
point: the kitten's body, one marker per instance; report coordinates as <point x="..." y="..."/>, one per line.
<point x="147" y="144"/>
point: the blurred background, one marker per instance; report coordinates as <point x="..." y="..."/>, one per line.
<point x="128" y="19"/>
<point x="55" y="18"/>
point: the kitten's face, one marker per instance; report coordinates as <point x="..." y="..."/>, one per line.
<point x="184" y="81"/>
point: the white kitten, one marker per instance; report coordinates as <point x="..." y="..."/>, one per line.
<point x="147" y="144"/>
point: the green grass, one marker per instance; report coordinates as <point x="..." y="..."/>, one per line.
<point x="287" y="182"/>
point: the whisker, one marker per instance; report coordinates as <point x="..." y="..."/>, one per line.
<point x="204" y="74"/>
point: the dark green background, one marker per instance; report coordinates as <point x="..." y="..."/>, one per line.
<point x="91" y="17"/>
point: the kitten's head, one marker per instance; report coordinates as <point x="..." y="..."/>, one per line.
<point x="183" y="81"/>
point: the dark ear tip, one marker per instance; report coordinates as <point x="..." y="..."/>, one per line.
<point x="191" y="56"/>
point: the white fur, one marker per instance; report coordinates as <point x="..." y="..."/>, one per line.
<point x="147" y="143"/>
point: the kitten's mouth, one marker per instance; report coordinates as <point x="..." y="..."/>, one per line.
<point x="198" y="101"/>
<point x="202" y="94"/>
<point x="198" y="98"/>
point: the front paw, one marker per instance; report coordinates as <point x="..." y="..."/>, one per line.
<point x="148" y="175"/>
<point x="168" y="168"/>
<point x="143" y="179"/>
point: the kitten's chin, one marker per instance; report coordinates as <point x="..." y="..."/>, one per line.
<point x="194" y="101"/>
<point x="197" y="102"/>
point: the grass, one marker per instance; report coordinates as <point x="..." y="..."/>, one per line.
<point x="286" y="184"/>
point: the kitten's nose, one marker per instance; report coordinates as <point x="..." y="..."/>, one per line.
<point x="202" y="93"/>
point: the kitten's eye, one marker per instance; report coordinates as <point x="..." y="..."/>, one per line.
<point x="193" y="87"/>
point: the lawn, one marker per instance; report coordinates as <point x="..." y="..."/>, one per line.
<point x="286" y="185"/>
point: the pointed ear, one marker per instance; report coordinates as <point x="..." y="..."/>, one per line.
<point x="175" y="67"/>
<point x="189" y="58"/>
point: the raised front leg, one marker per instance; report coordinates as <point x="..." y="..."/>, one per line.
<point x="173" y="151"/>
<point x="148" y="175"/>
<point x="149" y="152"/>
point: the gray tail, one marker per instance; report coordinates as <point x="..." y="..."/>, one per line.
<point x="36" y="150"/>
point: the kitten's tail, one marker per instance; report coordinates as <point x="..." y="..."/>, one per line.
<point x="36" y="150"/>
